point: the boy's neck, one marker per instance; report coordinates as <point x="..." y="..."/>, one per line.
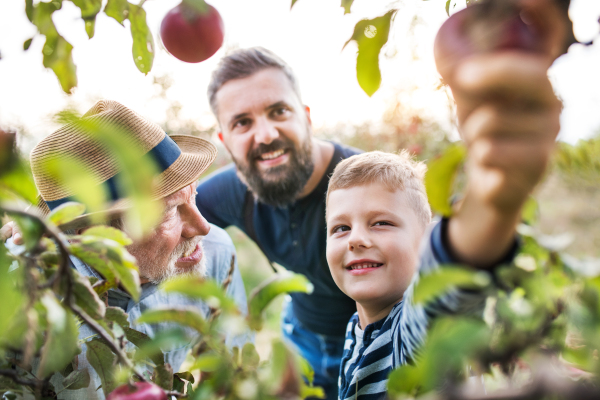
<point x="369" y="313"/>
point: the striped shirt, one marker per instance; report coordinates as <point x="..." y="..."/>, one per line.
<point x="372" y="353"/>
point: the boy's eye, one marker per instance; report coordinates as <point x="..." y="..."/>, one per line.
<point x="340" y="228"/>
<point x="379" y="223"/>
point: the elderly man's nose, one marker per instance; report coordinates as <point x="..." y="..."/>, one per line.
<point x="266" y="131"/>
<point x="195" y="224"/>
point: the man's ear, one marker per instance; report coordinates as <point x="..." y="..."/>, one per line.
<point x="307" y="111"/>
<point x="220" y="135"/>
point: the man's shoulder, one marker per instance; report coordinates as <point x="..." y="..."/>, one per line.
<point x="345" y="151"/>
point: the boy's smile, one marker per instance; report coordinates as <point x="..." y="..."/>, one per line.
<point x="373" y="237"/>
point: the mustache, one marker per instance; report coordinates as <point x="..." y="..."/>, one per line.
<point x="277" y="144"/>
<point x="185" y="247"/>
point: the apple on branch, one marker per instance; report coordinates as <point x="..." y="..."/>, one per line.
<point x="192" y="31"/>
<point x="138" y="391"/>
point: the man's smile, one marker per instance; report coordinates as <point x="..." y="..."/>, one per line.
<point x="273" y="158"/>
<point x="193" y="256"/>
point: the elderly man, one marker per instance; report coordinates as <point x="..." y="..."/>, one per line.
<point x="183" y="242"/>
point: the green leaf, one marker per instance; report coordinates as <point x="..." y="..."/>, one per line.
<point x="530" y="212"/>
<point x="103" y="361"/>
<point x="103" y="286"/>
<point x="207" y="290"/>
<point x="346" y="4"/>
<point x="29" y="9"/>
<point x="66" y="212"/>
<point x="61" y="343"/>
<point x="18" y="181"/>
<point x="186" y="376"/>
<point x="27" y="44"/>
<point x="153" y="349"/>
<point x="12" y="295"/>
<point x="440" y="281"/>
<point x="57" y="51"/>
<point x="163" y="376"/>
<point x="440" y="176"/>
<point x="207" y="362"/>
<point x="110" y="259"/>
<point x="143" y="42"/>
<point x="117" y="9"/>
<point x="108" y="232"/>
<point x="77" y="380"/>
<point x="370" y="35"/>
<point x="250" y="357"/>
<point x="89" y="10"/>
<point x="292" y="5"/>
<point x="262" y="295"/>
<point x="404" y="380"/>
<point x="117" y="315"/>
<point x="86" y="298"/>
<point x="187" y="317"/>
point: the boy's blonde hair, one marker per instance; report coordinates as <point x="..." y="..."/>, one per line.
<point x="395" y="171"/>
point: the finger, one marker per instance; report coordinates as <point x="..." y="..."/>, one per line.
<point x="516" y="159"/>
<point x="6" y="232"/>
<point x="495" y="122"/>
<point x="508" y="74"/>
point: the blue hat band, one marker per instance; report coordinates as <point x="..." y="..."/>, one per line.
<point x="164" y="154"/>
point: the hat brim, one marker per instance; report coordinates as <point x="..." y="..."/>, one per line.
<point x="196" y="156"/>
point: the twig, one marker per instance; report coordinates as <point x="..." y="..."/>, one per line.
<point x="229" y="278"/>
<point x="108" y="339"/>
<point x="14" y="375"/>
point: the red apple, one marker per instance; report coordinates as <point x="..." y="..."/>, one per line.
<point x="539" y="26"/>
<point x="190" y="35"/>
<point x="139" y="391"/>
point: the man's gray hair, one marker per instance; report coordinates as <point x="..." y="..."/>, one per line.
<point x="243" y="63"/>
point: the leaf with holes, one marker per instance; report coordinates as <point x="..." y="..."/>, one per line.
<point x="370" y="35"/>
<point x="143" y="42"/>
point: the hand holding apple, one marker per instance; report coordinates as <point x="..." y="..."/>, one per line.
<point x="192" y="31"/>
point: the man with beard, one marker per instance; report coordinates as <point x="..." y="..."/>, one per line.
<point x="274" y="192"/>
<point x="174" y="247"/>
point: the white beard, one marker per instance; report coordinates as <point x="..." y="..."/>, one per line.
<point x="160" y="273"/>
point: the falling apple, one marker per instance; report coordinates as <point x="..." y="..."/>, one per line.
<point x="138" y="391"/>
<point x="192" y="31"/>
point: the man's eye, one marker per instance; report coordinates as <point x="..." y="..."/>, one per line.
<point x="278" y="112"/>
<point x="341" y="228"/>
<point x="241" y="124"/>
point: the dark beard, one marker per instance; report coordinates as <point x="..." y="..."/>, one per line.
<point x="278" y="186"/>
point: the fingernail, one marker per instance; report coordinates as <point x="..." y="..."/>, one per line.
<point x="17" y="239"/>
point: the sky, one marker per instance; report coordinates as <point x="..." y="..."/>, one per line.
<point x="309" y="37"/>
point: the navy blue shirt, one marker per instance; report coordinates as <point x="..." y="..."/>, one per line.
<point x="294" y="236"/>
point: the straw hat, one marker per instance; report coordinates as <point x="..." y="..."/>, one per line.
<point x="181" y="159"/>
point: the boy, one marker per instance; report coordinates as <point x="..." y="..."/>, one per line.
<point x="377" y="238"/>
